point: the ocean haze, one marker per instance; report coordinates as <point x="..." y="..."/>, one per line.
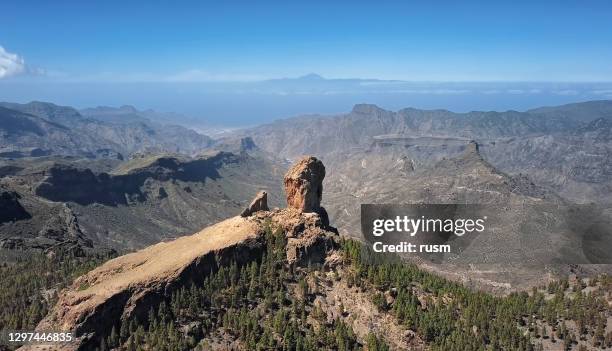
<point x="248" y="103"/>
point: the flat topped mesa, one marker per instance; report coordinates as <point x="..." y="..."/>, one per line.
<point x="304" y="184"/>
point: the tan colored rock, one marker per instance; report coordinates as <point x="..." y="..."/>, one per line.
<point x="304" y="184"/>
<point x="333" y="260"/>
<point x="127" y="286"/>
<point x="308" y="240"/>
<point x="259" y="203"/>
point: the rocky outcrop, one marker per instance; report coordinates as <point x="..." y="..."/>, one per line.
<point x="259" y="203"/>
<point x="309" y="238"/>
<point x="127" y="287"/>
<point x="64" y="224"/>
<point x="472" y="147"/>
<point x="304" y="184"/>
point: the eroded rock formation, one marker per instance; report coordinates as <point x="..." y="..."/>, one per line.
<point x="309" y="238"/>
<point x="304" y="184"/>
<point x="259" y="203"/>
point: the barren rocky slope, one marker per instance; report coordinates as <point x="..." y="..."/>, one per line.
<point x="521" y="244"/>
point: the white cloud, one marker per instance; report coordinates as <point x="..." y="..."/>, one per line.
<point x="11" y="64"/>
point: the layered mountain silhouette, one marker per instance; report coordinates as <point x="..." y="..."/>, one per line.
<point x="39" y="128"/>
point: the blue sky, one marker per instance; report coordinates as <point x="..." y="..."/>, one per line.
<point x="454" y="40"/>
<point x="205" y="58"/>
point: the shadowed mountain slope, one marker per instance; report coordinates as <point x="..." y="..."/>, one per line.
<point x="140" y="202"/>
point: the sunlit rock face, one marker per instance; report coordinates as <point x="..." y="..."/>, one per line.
<point x="304" y="184"/>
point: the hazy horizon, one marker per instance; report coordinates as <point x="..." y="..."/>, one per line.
<point x="242" y="104"/>
<point x="224" y="64"/>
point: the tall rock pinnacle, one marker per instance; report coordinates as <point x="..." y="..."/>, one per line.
<point x="304" y="184"/>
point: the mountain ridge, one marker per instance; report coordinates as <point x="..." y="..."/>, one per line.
<point x="551" y="148"/>
<point x="153" y="199"/>
<point x="86" y="136"/>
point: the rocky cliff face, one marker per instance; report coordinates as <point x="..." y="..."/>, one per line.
<point x="304" y="184"/>
<point x="127" y="287"/>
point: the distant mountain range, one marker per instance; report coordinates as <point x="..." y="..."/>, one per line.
<point x="366" y="122"/>
<point x="213" y="105"/>
<point x="566" y="148"/>
<point x="129" y="114"/>
<point x="39" y="128"/>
